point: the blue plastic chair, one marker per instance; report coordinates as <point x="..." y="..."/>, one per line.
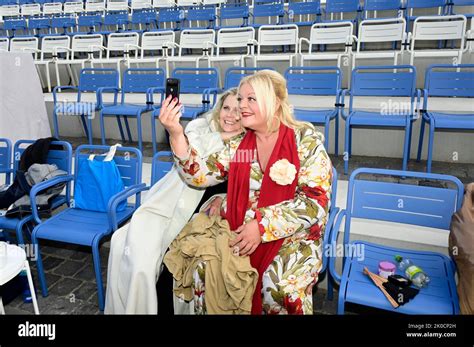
<point x="117" y="20"/>
<point x="62" y="158"/>
<point x="382" y="81"/>
<point x="412" y="5"/>
<point x="445" y="81"/>
<point x="204" y="81"/>
<point x="89" y="23"/>
<point x="341" y="7"/>
<point x="162" y="163"/>
<point x="64" y="25"/>
<point x="298" y="9"/>
<point x="267" y="9"/>
<point x="173" y="16"/>
<point x="198" y="14"/>
<point x="381" y="5"/>
<point x="398" y="203"/>
<point x="145" y="17"/>
<point x="234" y="11"/>
<point x="90" y="80"/>
<point x="88" y="228"/>
<point x="15" y="27"/>
<point x="6" y="159"/>
<point x="317" y="81"/>
<point x="39" y="26"/>
<point x="233" y="75"/>
<point x="138" y="80"/>
<point x="461" y="3"/>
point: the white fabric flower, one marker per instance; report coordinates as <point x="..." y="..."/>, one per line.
<point x="283" y="172"/>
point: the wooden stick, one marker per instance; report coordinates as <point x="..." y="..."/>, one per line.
<point x="378" y="282"/>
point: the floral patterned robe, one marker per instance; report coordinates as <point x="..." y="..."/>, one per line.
<point x="288" y="281"/>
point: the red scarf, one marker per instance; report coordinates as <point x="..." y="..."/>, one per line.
<point x="271" y="193"/>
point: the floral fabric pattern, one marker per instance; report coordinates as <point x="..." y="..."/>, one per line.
<point x="288" y="281"/>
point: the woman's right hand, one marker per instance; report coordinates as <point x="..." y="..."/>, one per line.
<point x="214" y="207"/>
<point x="170" y="113"/>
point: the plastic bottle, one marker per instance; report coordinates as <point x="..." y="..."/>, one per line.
<point x="413" y="272"/>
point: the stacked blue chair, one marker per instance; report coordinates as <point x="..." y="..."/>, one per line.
<point x="233" y="75"/>
<point x="90" y="80"/>
<point x="398" y="203"/>
<point x="297" y="10"/>
<point x="204" y="81"/>
<point x="15" y="27"/>
<point x="198" y="14"/>
<point x="88" y="228"/>
<point x="412" y="5"/>
<point x="234" y="11"/>
<point x="62" y="158"/>
<point x="382" y="5"/>
<point x="342" y="7"/>
<point x="162" y="163"/>
<point x="454" y="4"/>
<point x="40" y="26"/>
<point x="89" y="23"/>
<point x="268" y="9"/>
<point x="145" y="20"/>
<point x="63" y="25"/>
<point x="317" y="81"/>
<point x="382" y="81"/>
<point x="138" y="80"/>
<point x="6" y="160"/>
<point x="445" y="81"/>
<point x="172" y="16"/>
<point x="115" y="21"/>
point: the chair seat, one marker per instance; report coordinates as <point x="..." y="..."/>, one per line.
<point x="78" y="226"/>
<point x="124" y="109"/>
<point x="452" y="121"/>
<point x="314" y="116"/>
<point x="376" y="119"/>
<point x="12" y="223"/>
<point x="439" y="297"/>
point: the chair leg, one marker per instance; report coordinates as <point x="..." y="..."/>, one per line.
<point x="19" y="233"/>
<point x="406" y="146"/>
<point x="326" y="134"/>
<point x="89" y="128"/>
<point x="336" y="136"/>
<point x="139" y="131"/>
<point x="420" y="141"/>
<point x="430" y="148"/>
<point x="330" y="294"/>
<point x="128" y="128"/>
<point x="153" y="131"/>
<point x="55" y="123"/>
<point x="340" y="304"/>
<point x="119" y="122"/>
<point x="98" y="274"/>
<point x="39" y="264"/>
<point x="102" y="127"/>
<point x="347" y="146"/>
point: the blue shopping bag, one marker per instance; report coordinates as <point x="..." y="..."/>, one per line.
<point x="98" y="179"/>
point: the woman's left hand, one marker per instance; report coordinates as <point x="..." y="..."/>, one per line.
<point x="248" y="238"/>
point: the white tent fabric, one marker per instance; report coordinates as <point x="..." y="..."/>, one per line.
<point x="22" y="108"/>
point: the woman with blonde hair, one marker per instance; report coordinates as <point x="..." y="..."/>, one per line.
<point x="279" y="189"/>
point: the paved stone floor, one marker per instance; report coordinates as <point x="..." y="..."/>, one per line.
<point x="69" y="269"/>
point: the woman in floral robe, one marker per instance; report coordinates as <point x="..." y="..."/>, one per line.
<point x="287" y="283"/>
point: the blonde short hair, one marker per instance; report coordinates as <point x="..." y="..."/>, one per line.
<point x="216" y="112"/>
<point x="270" y="90"/>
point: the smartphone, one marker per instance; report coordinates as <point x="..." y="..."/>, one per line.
<point x="172" y="88"/>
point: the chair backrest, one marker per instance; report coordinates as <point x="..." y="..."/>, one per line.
<point x="51" y="8"/>
<point x="435" y="28"/>
<point x="171" y="14"/>
<point x="196" y="80"/>
<point x="128" y="160"/>
<point x="139" y="80"/>
<point x="411" y="4"/>
<point x="196" y="39"/>
<point x="382" y="5"/>
<point x="65" y="22"/>
<point x="154" y="40"/>
<point x="275" y="35"/>
<point x="59" y="154"/>
<point x="330" y="33"/>
<point x="268" y="8"/>
<point x="22" y="44"/>
<point x="160" y="165"/>
<point x="234" y="37"/>
<point x="9" y="11"/>
<point x="39" y="23"/>
<point x="381" y="30"/>
<point x="163" y="3"/>
<point x="87" y="43"/>
<point x="297" y="9"/>
<point x="116" y="17"/>
<point x="140" y="4"/>
<point x="234" y="11"/>
<point x="95" y="6"/>
<point x="5" y="158"/>
<point x="117" y="5"/>
<point x="314" y="80"/>
<point x="450" y="81"/>
<point x="341" y="7"/>
<point x="396" y="80"/>
<point x="89" y="20"/>
<point x="15" y="24"/>
<point x="30" y="10"/>
<point x="51" y="43"/>
<point x="455" y="4"/>
<point x="402" y="202"/>
<point x="73" y="7"/>
<point x="118" y="42"/>
<point x="204" y="13"/>
<point x="233" y="75"/>
<point x="91" y="79"/>
<point x="4" y="43"/>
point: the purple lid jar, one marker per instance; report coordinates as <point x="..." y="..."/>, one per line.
<point x="386" y="269"/>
